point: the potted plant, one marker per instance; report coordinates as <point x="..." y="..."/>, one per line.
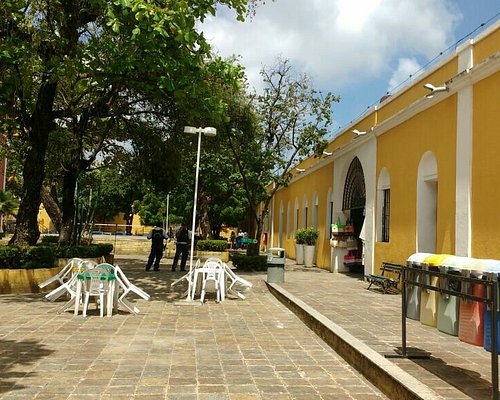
<point x="310" y="238"/>
<point x="299" y="246"/>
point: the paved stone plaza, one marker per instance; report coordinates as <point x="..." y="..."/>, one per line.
<point x="239" y="349"/>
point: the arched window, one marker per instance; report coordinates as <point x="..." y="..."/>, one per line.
<point x="288" y="226"/>
<point x="314" y="219"/>
<point x="296" y="215"/>
<point x="304" y="212"/>
<point x="427" y="195"/>
<point x="280" y="226"/>
<point x="329" y="212"/>
<point x="354" y="189"/>
<point x="383" y="205"/>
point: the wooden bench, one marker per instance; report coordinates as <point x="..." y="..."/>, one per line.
<point x="390" y="275"/>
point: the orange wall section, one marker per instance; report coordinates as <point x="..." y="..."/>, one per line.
<point x="400" y="151"/>
<point x="317" y="182"/>
<point x="487" y="47"/>
<point x="486" y="169"/>
<point x="417" y="91"/>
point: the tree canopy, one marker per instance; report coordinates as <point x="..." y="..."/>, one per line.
<point x="77" y="72"/>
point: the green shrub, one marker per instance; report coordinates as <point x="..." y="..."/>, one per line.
<point x="249" y="263"/>
<point x="38" y="256"/>
<point x="84" y="251"/>
<point x="10" y="257"/>
<point x="49" y="239"/>
<point x="44" y="256"/>
<point x="300" y="236"/>
<point x="310" y="236"/>
<point x="212" y="245"/>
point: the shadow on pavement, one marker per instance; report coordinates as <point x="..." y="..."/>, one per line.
<point x="468" y="382"/>
<point x="16" y="357"/>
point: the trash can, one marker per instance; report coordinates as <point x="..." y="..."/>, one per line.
<point x="471" y="321"/>
<point x="428" y="297"/>
<point x="448" y="305"/>
<point x="412" y="291"/>
<point x="493" y="274"/>
<point x="276" y="265"/>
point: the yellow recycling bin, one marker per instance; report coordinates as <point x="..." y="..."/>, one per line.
<point x="428" y="298"/>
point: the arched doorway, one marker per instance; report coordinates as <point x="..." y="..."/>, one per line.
<point x="427" y="196"/>
<point x="353" y="205"/>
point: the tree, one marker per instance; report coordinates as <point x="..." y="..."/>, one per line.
<point x="272" y="132"/>
<point x="67" y="66"/>
<point x="8" y="206"/>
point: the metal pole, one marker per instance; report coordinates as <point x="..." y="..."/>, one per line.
<point x="168" y="203"/>
<point x="403" y="312"/>
<point x="193" y="226"/>
<point x="494" y="336"/>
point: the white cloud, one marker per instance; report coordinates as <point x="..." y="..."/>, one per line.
<point x="338" y="42"/>
<point x="404" y="73"/>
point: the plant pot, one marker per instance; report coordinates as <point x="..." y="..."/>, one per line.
<point x="309" y="255"/>
<point x="299" y="253"/>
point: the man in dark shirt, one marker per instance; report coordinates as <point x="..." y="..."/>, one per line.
<point x="181" y="247"/>
<point x="156" y="236"/>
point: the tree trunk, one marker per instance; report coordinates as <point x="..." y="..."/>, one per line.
<point x="67" y="234"/>
<point x="129" y="218"/>
<point x="51" y="206"/>
<point x="206" y="231"/>
<point x="255" y="231"/>
<point x="26" y="231"/>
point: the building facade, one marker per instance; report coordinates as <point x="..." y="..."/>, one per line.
<point x="421" y="175"/>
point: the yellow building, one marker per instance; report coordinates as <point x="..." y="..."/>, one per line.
<point x="117" y="224"/>
<point x="421" y="175"/>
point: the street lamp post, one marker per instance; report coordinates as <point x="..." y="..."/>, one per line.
<point x="208" y="131"/>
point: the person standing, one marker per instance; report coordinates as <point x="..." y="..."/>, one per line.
<point x="156" y="236"/>
<point x="182" y="237"/>
<point x="232" y="240"/>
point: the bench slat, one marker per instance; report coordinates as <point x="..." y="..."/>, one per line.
<point x="383" y="280"/>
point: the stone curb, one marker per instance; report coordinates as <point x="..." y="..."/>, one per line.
<point x="386" y="376"/>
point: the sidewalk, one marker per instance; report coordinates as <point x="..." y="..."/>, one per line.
<point x="455" y="370"/>
<point x="239" y="349"/>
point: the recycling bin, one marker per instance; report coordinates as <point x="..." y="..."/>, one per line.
<point x="471" y="321"/>
<point x="276" y="265"/>
<point x="428" y="298"/>
<point x="448" y="306"/>
<point x="488" y="317"/>
<point x="412" y="291"/>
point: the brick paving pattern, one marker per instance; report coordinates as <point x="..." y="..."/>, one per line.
<point x="455" y="370"/>
<point x="239" y="349"/>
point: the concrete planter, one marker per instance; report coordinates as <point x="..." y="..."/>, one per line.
<point x="25" y="280"/>
<point x="14" y="281"/>
<point x="299" y="253"/>
<point x="223" y="255"/>
<point x="309" y="252"/>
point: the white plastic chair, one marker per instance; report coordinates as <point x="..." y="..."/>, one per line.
<point x="69" y="286"/>
<point x="128" y="287"/>
<point x="194" y="286"/>
<point x="235" y="279"/>
<point x="190" y="277"/>
<point x="97" y="282"/>
<point x="212" y="271"/>
<point x="63" y="275"/>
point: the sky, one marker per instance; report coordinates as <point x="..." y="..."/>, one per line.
<point x="356" y="49"/>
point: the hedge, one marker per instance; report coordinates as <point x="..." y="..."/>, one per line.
<point x="249" y="263"/>
<point x="211" y="245"/>
<point x="43" y="256"/>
